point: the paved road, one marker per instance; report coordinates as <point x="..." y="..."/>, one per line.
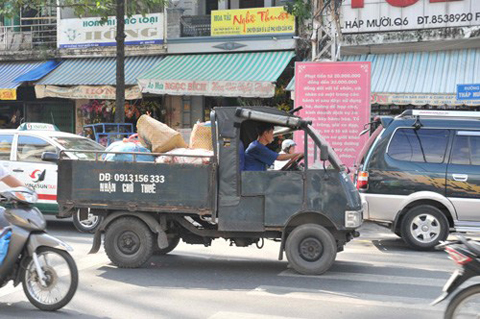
<point x="377" y="276"/>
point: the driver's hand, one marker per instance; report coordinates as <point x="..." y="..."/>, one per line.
<point x="299" y="155"/>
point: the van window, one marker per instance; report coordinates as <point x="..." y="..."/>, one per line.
<point x="30" y="149"/>
<point x="424" y="145"/>
<point x="5" y="147"/>
<point x="466" y="150"/>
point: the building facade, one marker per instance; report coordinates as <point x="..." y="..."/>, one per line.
<point x="180" y="62"/>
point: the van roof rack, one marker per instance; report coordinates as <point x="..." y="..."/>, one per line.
<point x="440" y="114"/>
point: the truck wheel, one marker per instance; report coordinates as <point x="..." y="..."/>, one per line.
<point x="88" y="225"/>
<point x="128" y="242"/>
<point x="172" y="244"/>
<point x="424" y="226"/>
<point x="311" y="249"/>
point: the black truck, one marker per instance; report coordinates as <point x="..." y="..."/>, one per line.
<point x="313" y="211"/>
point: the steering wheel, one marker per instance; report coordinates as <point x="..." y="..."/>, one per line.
<point x="293" y="164"/>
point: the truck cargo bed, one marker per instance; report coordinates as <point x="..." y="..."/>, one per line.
<point x="135" y="186"/>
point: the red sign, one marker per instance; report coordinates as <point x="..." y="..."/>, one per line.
<point x="396" y="3"/>
<point x="336" y="97"/>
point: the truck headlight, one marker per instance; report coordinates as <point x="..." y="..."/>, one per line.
<point x="353" y="218"/>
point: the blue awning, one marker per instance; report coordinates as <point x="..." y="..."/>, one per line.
<point x="422" y="72"/>
<point x="12" y="72"/>
<point x="98" y="71"/>
<point x="39" y="72"/>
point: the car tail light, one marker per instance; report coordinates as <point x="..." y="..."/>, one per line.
<point x="457" y="256"/>
<point x="362" y="180"/>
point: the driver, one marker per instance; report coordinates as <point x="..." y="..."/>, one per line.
<point x="258" y="156"/>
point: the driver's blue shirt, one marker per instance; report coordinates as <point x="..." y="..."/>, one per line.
<point x="258" y="157"/>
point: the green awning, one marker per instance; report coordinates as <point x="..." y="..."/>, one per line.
<point x="225" y="74"/>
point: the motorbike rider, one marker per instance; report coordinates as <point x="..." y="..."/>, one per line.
<point x="8" y="179"/>
<point x="288" y="147"/>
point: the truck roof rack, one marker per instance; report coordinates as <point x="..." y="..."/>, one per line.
<point x="441" y="114"/>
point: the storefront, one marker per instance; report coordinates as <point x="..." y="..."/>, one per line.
<point x="17" y="98"/>
<point x="425" y="80"/>
<point x="189" y="82"/>
<point x="90" y="84"/>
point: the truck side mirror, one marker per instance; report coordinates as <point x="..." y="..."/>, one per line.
<point x="50" y="157"/>
<point x="324" y="153"/>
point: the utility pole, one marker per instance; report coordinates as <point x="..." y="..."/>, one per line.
<point x="326" y="36"/>
<point x="120" y="78"/>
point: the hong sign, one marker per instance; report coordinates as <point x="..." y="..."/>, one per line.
<point x="468" y="92"/>
<point x="395" y="15"/>
<point x="88" y="32"/>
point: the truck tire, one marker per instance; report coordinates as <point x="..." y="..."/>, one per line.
<point x="311" y="249"/>
<point x="424" y="226"/>
<point x="172" y="244"/>
<point x="128" y="242"/>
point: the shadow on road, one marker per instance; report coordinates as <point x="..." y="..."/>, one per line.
<point x="206" y="273"/>
<point x="398" y="245"/>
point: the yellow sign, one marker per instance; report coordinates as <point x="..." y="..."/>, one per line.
<point x="8" y="94"/>
<point x="252" y="21"/>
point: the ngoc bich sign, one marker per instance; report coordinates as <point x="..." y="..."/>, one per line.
<point x="394" y="15"/>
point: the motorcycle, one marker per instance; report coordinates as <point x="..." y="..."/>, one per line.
<point x="466" y="302"/>
<point x="40" y="262"/>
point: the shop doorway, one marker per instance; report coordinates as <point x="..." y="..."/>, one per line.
<point x="60" y="114"/>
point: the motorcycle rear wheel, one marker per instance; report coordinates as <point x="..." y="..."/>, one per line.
<point x="61" y="279"/>
<point x="465" y="304"/>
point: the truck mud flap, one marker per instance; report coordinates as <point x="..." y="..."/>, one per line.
<point x="97" y="241"/>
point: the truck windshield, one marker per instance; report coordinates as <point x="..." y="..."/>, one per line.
<point x="333" y="159"/>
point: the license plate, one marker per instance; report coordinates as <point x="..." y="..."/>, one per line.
<point x="453" y="277"/>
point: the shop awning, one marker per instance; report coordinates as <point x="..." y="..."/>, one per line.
<point x="93" y="78"/>
<point x="14" y="73"/>
<point x="225" y="74"/>
<point x="420" y="78"/>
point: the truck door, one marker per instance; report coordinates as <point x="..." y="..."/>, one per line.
<point x="28" y="167"/>
<point x="463" y="175"/>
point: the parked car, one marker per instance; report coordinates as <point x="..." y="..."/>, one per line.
<point x="421" y="175"/>
<point x="21" y="151"/>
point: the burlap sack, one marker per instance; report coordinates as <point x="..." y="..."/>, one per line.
<point x="157" y="136"/>
<point x="201" y="137"/>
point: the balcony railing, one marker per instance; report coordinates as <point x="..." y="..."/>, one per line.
<point x="195" y="26"/>
<point x="33" y="33"/>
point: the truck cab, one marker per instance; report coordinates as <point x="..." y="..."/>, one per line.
<point x="313" y="212"/>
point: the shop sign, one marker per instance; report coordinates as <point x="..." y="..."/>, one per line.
<point x="395" y="15"/>
<point x="8" y="94"/>
<point x="209" y="88"/>
<point x="421" y="99"/>
<point x="88" y="32"/>
<point x="252" y="21"/>
<point x="468" y="92"/>
<point x="336" y="97"/>
<point x="105" y="92"/>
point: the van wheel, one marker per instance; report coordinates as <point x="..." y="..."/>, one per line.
<point x="172" y="244"/>
<point x="311" y="249"/>
<point x="128" y="242"/>
<point x="424" y="226"/>
<point x="88" y="225"/>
